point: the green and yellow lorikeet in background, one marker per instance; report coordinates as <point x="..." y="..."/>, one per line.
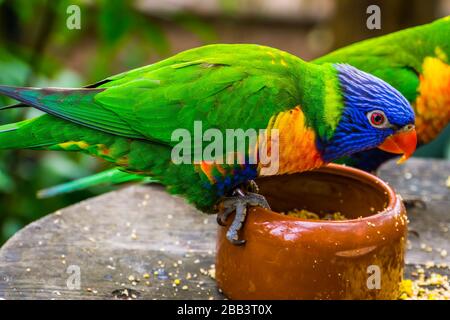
<point x="320" y="112"/>
<point x="415" y="61"/>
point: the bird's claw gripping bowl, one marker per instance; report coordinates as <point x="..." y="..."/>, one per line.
<point x="290" y="258"/>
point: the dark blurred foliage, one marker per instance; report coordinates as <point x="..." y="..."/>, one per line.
<point x="37" y="49"/>
<point x="395" y="15"/>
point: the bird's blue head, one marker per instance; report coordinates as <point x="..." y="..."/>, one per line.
<point x="374" y="115"/>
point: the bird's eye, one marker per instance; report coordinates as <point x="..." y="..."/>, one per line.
<point x="377" y="119"/>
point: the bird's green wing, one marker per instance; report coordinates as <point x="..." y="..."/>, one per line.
<point x="224" y="86"/>
<point x="111" y="176"/>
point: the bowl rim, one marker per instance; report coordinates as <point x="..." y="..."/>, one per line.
<point x="393" y="204"/>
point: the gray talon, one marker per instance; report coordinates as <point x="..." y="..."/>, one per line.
<point x="239" y="204"/>
<point x="238" y="242"/>
<point x="253" y="187"/>
<point x="223" y="216"/>
<point x="258" y="200"/>
<point x="220" y="219"/>
<point x="236" y="225"/>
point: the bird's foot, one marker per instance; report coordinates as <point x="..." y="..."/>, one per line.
<point x="238" y="203"/>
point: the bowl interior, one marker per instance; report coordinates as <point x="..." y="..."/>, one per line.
<point x="332" y="189"/>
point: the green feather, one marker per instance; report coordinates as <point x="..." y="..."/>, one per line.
<point x="108" y="177"/>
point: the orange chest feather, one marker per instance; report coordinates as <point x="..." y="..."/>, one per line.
<point x="433" y="103"/>
<point x="297" y="150"/>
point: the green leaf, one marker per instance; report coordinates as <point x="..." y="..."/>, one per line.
<point x="10" y="227"/>
<point x="115" y="20"/>
<point x="195" y="25"/>
<point x="156" y="37"/>
<point x="63" y="166"/>
<point x="6" y="183"/>
<point x="13" y="70"/>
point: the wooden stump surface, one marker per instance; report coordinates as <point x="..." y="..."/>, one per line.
<point x="141" y="243"/>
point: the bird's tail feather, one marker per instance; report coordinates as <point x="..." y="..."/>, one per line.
<point x="15" y="135"/>
<point x="9" y="127"/>
<point x="23" y="134"/>
<point x="17" y="93"/>
<point x="109" y="177"/>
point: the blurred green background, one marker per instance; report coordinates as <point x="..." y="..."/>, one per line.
<point x="38" y="49"/>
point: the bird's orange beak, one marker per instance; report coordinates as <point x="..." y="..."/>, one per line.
<point x="403" y="142"/>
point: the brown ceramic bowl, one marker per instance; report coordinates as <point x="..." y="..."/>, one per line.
<point x="291" y="258"/>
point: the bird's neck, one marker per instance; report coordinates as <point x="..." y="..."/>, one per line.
<point x="322" y="100"/>
<point x="311" y="124"/>
<point x="296" y="144"/>
<point x="432" y="106"/>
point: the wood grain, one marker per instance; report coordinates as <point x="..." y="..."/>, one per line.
<point x="117" y="238"/>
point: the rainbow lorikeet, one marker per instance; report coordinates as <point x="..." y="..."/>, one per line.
<point x="415" y="61"/>
<point x="319" y="113"/>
